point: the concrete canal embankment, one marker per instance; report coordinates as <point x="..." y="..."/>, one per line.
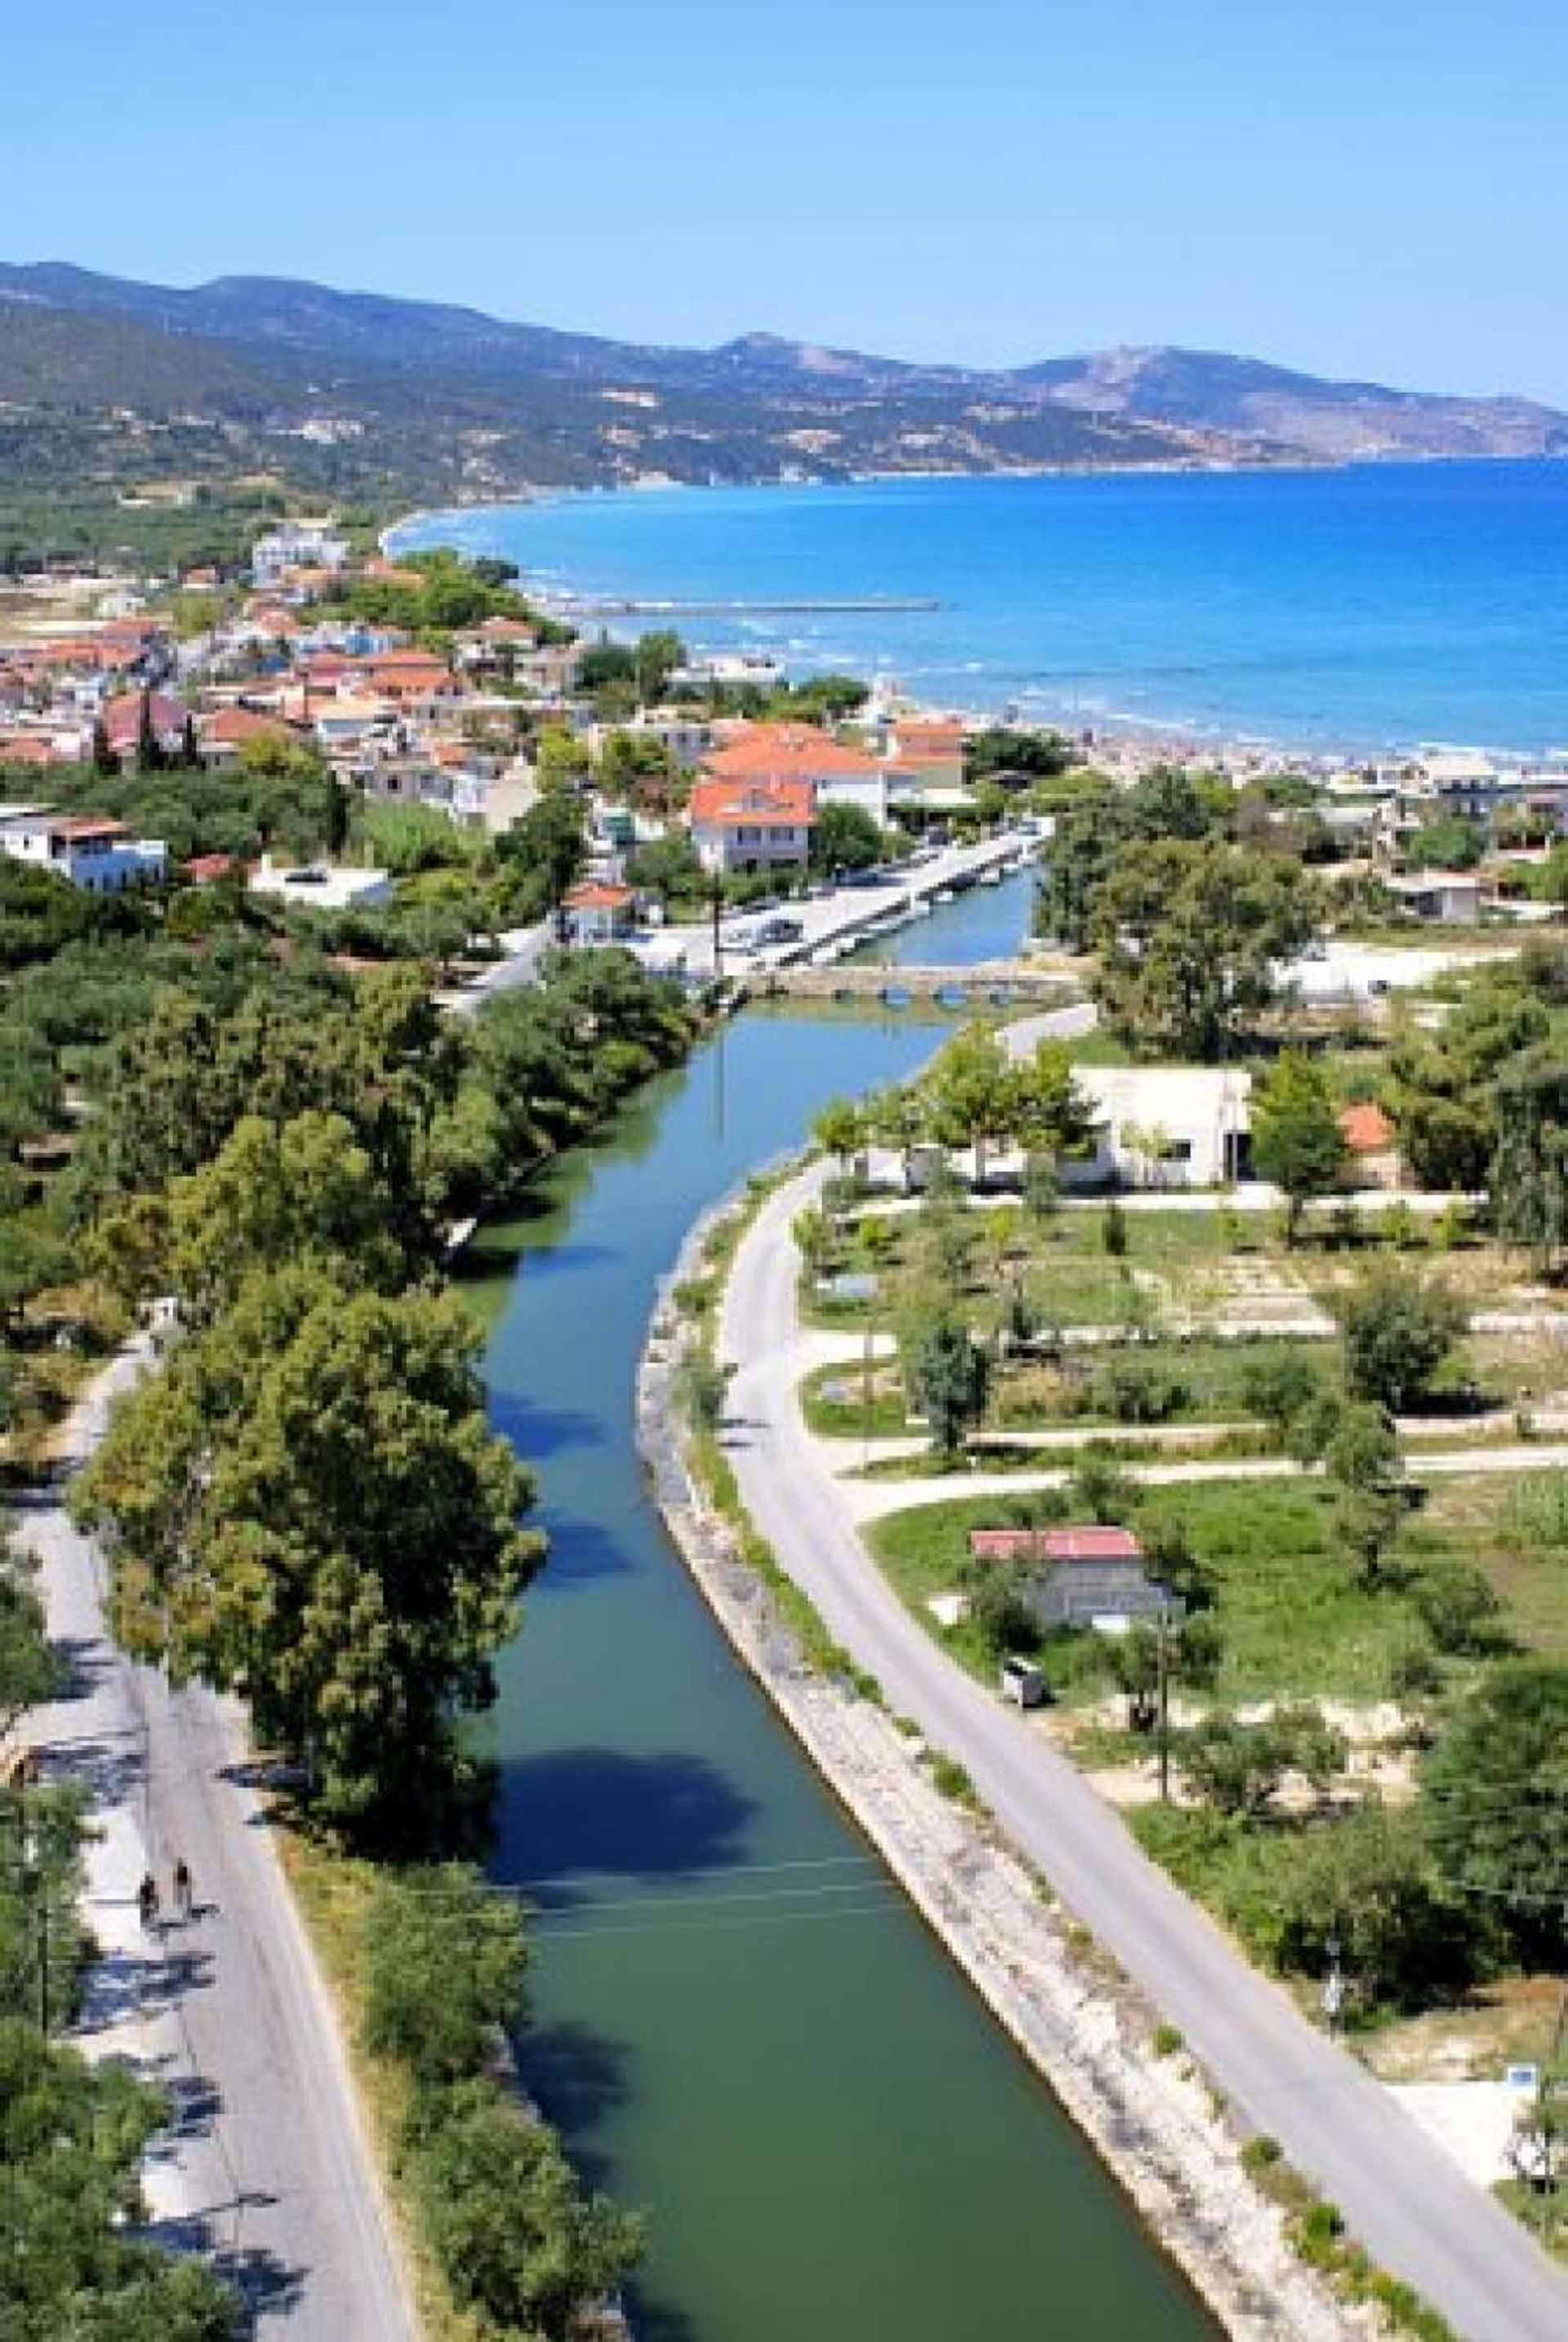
<point x="1152" y="2119"/>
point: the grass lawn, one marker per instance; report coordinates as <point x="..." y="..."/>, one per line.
<point x="1294" y="1621"/>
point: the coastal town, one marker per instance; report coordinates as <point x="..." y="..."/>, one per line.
<point x="1130" y="1449"/>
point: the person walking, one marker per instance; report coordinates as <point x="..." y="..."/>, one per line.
<point x="147" y="1902"/>
<point x="184" y="1898"/>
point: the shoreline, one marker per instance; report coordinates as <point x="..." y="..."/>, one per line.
<point x="1114" y="735"/>
<point x="1152" y="2121"/>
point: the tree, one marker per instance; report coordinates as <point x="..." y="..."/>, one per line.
<point x="845" y="838"/>
<point x="1190" y="936"/>
<point x="1397" y="1327"/>
<point x="897" y="1117"/>
<point x="281" y="1195"/>
<point x="522" y="2248"/>
<point x="666" y="867"/>
<point x="1496" y="1799"/>
<point x="1004" y="752"/>
<point x="972" y="1095"/>
<point x="1280" y="1386"/>
<point x="1296" y="1138"/>
<point x="637" y="768"/>
<point x="1239" y="1769"/>
<point x="1362" y="1462"/>
<point x="562" y="760"/>
<point x="71" y="2139"/>
<point x="949" y="1377"/>
<point x="29" y="1672"/>
<point x="307" y="1507"/>
<point x="1442" y="1092"/>
<point x="1449" y="843"/>
<point x="1530" y="1169"/>
<point x="1192" y="1657"/>
<point x="840" y="1130"/>
<point x="542" y="855"/>
<point x="1048" y="1114"/>
<point x="1368" y="1884"/>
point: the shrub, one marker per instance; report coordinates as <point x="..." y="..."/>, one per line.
<point x="443" y="1960"/>
<point x="1114" y="1230"/>
<point x="1165" y="2041"/>
<point x="1259" y="2155"/>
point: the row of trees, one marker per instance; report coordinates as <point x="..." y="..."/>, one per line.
<point x="1188" y="907"/>
<point x="977" y="1095"/>
<point x="306" y="1504"/>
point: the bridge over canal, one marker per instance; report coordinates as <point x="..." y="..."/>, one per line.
<point x="997" y="983"/>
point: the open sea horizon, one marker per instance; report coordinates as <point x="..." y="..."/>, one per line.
<point x="1369" y="608"/>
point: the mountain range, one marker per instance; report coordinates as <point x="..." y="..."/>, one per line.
<point x="385" y="399"/>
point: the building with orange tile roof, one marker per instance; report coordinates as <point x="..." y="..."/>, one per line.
<point x="738" y="825"/>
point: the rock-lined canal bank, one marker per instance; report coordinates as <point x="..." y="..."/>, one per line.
<point x="740" y="2022"/>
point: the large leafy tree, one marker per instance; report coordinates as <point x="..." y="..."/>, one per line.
<point x="1296" y="1138"/>
<point x="1496" y="1801"/>
<point x="1190" y="936"/>
<point x="1398" y="1327"/>
<point x="972" y="1093"/>
<point x="307" y="1507"/>
<point x="71" y="2135"/>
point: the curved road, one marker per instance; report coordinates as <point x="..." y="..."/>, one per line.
<point x="265" y="2169"/>
<point x="1411" y="2207"/>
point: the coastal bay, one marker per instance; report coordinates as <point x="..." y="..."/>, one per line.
<point x="1362" y="608"/>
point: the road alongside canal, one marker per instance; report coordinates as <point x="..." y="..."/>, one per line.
<point x="739" y="2022"/>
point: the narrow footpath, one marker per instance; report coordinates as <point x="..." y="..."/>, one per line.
<point x="1408" y="2204"/>
<point x="264" y="2166"/>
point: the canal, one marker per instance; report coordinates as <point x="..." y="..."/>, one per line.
<point x="739" y="2024"/>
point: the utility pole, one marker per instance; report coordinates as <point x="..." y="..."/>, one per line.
<point x="1333" y="1986"/>
<point x="865" y="1397"/>
<point x="1162" y="1663"/>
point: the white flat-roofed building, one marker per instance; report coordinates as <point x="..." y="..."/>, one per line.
<point x="90" y="849"/>
<point x="321" y="885"/>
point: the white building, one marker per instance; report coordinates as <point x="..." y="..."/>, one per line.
<point x="296" y="545"/>
<point x="1164" y="1125"/>
<point x="87" y="848"/>
<point x="321" y="885"/>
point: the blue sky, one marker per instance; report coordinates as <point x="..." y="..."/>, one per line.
<point x="1366" y="187"/>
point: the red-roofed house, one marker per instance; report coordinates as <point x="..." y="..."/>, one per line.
<point x="751" y="825"/>
<point x="1373" y="1147"/>
<point x="803" y="752"/>
<point x="123" y="722"/>
<point x="228" y="730"/>
<point x="598" y="912"/>
<point x="1082" y="1576"/>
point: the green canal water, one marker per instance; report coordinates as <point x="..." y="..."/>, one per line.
<point x="739" y="2024"/>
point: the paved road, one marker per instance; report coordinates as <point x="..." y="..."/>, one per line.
<point x="265" y="2166"/>
<point x="1413" y="2208"/>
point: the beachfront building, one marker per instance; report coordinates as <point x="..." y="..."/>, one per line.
<point x="89" y="849"/>
<point x="803" y="754"/>
<point x="744" y="826"/>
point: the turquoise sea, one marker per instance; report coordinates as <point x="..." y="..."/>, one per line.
<point x="1375" y="606"/>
